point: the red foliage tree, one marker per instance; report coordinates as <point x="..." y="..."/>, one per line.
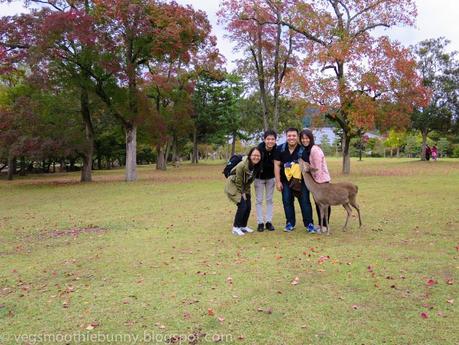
<point x="358" y="80"/>
<point x="268" y="48"/>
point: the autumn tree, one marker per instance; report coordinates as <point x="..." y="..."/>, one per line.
<point x="58" y="42"/>
<point x="38" y="125"/>
<point x="141" y="32"/>
<point x="440" y="73"/>
<point x="170" y="85"/>
<point x="268" y="49"/>
<point x="358" y="79"/>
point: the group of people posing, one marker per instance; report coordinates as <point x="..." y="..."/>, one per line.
<point x="269" y="166"/>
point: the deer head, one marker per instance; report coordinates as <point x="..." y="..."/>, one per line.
<point x="306" y="167"/>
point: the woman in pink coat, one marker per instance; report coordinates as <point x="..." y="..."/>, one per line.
<point x="314" y="155"/>
<point x="434" y="152"/>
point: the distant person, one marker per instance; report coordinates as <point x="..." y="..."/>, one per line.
<point x="314" y="155"/>
<point x="265" y="181"/>
<point x="434" y="152"/>
<point x="287" y="154"/>
<point x="428" y="152"/>
<point x="237" y="189"/>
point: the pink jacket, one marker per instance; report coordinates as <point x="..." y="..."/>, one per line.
<point x="317" y="160"/>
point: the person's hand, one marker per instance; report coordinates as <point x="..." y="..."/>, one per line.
<point x="279" y="186"/>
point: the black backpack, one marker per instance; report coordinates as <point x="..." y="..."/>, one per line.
<point x="233" y="161"/>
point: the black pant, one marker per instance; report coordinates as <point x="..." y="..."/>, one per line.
<point x="324" y="221"/>
<point x="243" y="212"/>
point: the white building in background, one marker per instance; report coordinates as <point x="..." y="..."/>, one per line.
<point x="321" y="132"/>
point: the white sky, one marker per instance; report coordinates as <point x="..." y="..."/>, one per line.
<point x="435" y="18"/>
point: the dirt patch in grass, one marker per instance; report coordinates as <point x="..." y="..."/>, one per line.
<point x="73" y="232"/>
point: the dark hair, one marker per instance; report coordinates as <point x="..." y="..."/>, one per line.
<point x="309" y="134"/>
<point x="291" y="129"/>
<point x="251" y="165"/>
<point x="269" y="132"/>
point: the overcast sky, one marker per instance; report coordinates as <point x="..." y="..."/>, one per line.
<point x="435" y="18"/>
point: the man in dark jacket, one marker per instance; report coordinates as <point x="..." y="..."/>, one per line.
<point x="265" y="182"/>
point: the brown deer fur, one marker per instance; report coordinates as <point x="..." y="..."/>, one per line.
<point x="329" y="194"/>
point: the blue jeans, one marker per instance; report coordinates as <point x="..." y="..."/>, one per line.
<point x="289" y="208"/>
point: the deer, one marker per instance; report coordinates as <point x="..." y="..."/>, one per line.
<point x="330" y="194"/>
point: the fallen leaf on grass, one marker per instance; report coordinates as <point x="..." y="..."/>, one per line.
<point x="295" y="281"/>
<point x="450" y="282"/>
<point x="266" y="311"/>
<point x="92" y="325"/>
<point x="431" y="282"/>
<point x="355" y="306"/>
<point x="186" y="315"/>
<point x="221" y="319"/>
<point x="210" y="312"/>
<point x="322" y="259"/>
<point x="450" y="301"/>
<point x="424" y="315"/>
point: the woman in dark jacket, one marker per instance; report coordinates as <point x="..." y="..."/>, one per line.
<point x="237" y="189"/>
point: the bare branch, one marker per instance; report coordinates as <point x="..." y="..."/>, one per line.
<point x="366" y="9"/>
<point x="370" y="27"/>
<point x="330" y="67"/>
<point x="49" y="4"/>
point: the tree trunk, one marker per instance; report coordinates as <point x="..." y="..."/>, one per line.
<point x="11" y="167"/>
<point x="131" y="152"/>
<point x="194" y="158"/>
<point x="346" y="156"/>
<point x="86" y="171"/>
<point x="259" y="65"/>
<point x="233" y="145"/>
<point x="161" y="158"/>
<point x="424" y="143"/>
<point x="167" y="152"/>
<point x="22" y="170"/>
<point x="175" y="157"/>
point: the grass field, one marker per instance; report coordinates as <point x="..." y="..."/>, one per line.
<point x="154" y="261"/>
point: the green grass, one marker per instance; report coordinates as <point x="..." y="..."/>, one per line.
<point x="166" y="256"/>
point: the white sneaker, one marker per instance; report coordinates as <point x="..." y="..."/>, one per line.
<point x="247" y="229"/>
<point x="237" y="231"/>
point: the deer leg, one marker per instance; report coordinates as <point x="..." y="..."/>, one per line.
<point x="325" y="219"/>
<point x="356" y="206"/>
<point x="349" y="213"/>
<point x="320" y="217"/>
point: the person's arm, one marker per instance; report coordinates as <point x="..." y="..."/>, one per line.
<point x="239" y="178"/>
<point x="315" y="160"/>
<point x="277" y="169"/>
